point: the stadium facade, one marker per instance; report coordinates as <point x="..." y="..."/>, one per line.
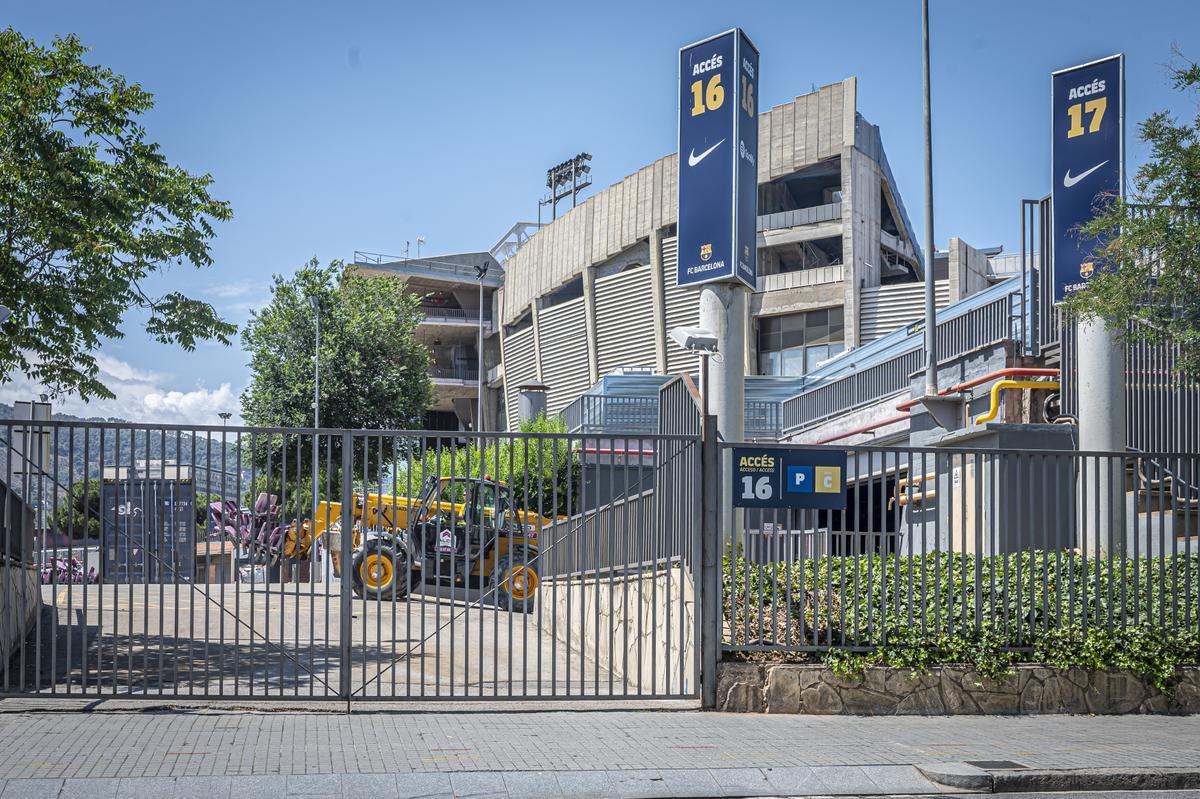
<point x="594" y="291"/>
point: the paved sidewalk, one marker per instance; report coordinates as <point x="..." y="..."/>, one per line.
<point x="551" y="753"/>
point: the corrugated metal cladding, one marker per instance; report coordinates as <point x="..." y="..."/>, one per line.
<point x="625" y="319"/>
<point x="520" y="366"/>
<point x="885" y="308"/>
<point x="791" y="136"/>
<point x="562" y="332"/>
<point x="681" y="306"/>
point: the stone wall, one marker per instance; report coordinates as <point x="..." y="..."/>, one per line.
<point x="20" y="602"/>
<point x="947" y="690"/>
<point x="651" y="611"/>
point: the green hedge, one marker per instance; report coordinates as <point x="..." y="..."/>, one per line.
<point x="1057" y="607"/>
<point x="536" y="470"/>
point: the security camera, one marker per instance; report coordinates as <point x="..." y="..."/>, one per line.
<point x="694" y="339"/>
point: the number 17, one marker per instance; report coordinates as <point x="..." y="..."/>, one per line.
<point x="1094" y="107"/>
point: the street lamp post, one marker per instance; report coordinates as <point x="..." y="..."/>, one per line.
<point x="316" y="309"/>
<point x="931" y="375"/>
<point x="312" y="524"/>
<point x="480" y="272"/>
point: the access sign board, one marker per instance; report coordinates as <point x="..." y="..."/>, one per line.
<point x="1088" y="153"/>
<point x="783" y="477"/>
<point x="718" y="160"/>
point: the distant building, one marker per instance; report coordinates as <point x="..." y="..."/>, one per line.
<point x="448" y="288"/>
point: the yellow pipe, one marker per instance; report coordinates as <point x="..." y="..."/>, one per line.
<point x="1000" y="385"/>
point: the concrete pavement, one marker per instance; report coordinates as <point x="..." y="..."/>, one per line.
<point x="511" y="750"/>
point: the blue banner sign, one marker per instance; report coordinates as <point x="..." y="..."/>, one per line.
<point x="786" y="477"/>
<point x="718" y="160"/>
<point x="1088" y="154"/>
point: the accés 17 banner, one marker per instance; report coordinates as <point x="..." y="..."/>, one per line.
<point x="1088" y="153"/>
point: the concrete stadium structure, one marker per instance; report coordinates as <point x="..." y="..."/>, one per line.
<point x="449" y="290"/>
<point x="594" y="291"/>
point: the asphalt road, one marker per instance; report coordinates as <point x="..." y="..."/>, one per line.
<point x="285" y="640"/>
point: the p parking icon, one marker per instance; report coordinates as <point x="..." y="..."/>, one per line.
<point x="800" y="479"/>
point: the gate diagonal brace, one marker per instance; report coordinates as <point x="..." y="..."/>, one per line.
<point x="203" y="590"/>
<point x="477" y="603"/>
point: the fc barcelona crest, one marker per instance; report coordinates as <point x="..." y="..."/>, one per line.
<point x="705" y="252"/>
<point x="1086" y="269"/>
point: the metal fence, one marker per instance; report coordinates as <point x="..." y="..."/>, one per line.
<point x="964" y="541"/>
<point x="999" y="320"/>
<point x="610" y="414"/>
<point x="354" y="564"/>
<point x="1162" y="403"/>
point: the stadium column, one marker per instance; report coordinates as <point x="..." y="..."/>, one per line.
<point x="723" y="313"/>
<point x="658" y="292"/>
<point x="1101" y="370"/>
<point x="589" y="311"/>
<point x="534" y="313"/>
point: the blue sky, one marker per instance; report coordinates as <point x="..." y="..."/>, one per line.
<point x="333" y="127"/>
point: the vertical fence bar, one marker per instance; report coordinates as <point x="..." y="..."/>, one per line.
<point x="345" y="632"/>
<point x="710" y="554"/>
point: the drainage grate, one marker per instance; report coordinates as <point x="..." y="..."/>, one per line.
<point x="996" y="765"/>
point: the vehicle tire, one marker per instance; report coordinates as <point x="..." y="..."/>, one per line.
<point x="516" y="580"/>
<point x="380" y="571"/>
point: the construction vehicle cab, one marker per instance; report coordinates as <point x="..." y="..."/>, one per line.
<point x="462" y="532"/>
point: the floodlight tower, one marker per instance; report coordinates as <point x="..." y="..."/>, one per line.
<point x="566" y="180"/>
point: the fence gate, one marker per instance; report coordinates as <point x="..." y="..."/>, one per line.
<point x="210" y="562"/>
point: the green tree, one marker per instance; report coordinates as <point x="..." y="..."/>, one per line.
<point x="1148" y="245"/>
<point x="89" y="210"/>
<point x="78" y="515"/>
<point x="374" y="373"/>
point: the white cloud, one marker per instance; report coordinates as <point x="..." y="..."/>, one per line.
<point x="233" y="289"/>
<point x="141" y="396"/>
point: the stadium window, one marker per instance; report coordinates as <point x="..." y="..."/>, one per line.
<point x="794" y="344"/>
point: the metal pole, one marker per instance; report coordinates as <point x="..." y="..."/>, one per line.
<point x="345" y="598"/>
<point x="317" y="367"/>
<point x="931" y="377"/>
<point x="479" y="401"/>
<point x="312" y="522"/>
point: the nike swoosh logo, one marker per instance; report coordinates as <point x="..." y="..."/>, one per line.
<point x="694" y="159"/>
<point x="1069" y="181"/>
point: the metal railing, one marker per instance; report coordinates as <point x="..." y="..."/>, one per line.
<point x="999" y="320"/>
<point x="357" y="565"/>
<point x="608" y="414"/>
<point x="453" y="372"/>
<point x="1012" y="544"/>
<point x="434" y="265"/>
<point x="435" y="314"/>
<point x="829" y="212"/>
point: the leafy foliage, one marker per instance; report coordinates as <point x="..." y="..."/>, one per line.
<point x="374" y="373"/>
<point x="914" y="612"/>
<point x="537" y="470"/>
<point x="1147" y="252"/>
<point x="89" y="209"/>
<point x="78" y="515"/>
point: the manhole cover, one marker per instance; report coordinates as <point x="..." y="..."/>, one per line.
<point x="996" y="765"/>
